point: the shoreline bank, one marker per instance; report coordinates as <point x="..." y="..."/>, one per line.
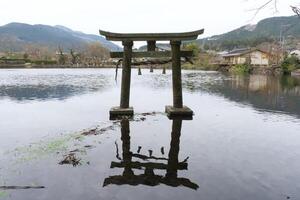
<point x="258" y="70"/>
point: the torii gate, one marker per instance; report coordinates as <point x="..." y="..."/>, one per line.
<point x="178" y="109"/>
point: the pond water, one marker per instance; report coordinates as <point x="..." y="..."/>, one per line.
<point x="243" y="141"/>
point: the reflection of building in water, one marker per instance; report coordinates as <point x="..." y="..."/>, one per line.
<point x="271" y="93"/>
<point x="148" y="177"/>
<point x="268" y="85"/>
<point x="258" y="82"/>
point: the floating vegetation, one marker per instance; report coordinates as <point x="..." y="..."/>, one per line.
<point x="142" y="116"/>
<point x="3" y="194"/>
<point x="65" y="143"/>
<point x="89" y="132"/>
<point x="98" y="131"/>
<point x="20" y="187"/>
<point x="44" y="148"/>
<point x="151" y="113"/>
<point x="70" y="159"/>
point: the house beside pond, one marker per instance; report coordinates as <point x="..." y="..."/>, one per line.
<point x="247" y="56"/>
<point x="295" y="53"/>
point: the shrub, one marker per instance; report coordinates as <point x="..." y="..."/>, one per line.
<point x="192" y="47"/>
<point x="240" y="68"/>
<point x="290" y="64"/>
<point x="25" y="56"/>
<point x="45" y="62"/>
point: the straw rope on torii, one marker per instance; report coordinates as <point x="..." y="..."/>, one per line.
<point x="151" y="62"/>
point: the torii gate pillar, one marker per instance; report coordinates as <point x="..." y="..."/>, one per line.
<point x="176" y="74"/>
<point x="177" y="109"/>
<point x="124" y="108"/>
<point x="126" y="74"/>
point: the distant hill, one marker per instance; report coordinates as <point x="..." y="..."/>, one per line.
<point x="14" y="36"/>
<point x="163" y="46"/>
<point x="250" y="35"/>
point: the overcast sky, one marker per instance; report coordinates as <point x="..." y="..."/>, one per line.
<point x="89" y="16"/>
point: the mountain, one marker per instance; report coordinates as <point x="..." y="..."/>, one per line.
<point x="162" y="46"/>
<point x="266" y="30"/>
<point x="15" y="36"/>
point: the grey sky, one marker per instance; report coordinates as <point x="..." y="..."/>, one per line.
<point x="139" y="15"/>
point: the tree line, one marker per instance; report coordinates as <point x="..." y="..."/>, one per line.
<point x="92" y="54"/>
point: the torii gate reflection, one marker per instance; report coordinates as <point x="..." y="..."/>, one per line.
<point x="148" y="177"/>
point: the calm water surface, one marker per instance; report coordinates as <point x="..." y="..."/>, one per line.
<point x="243" y="143"/>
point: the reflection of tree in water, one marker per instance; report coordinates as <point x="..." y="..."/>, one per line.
<point x="262" y="92"/>
<point x="43" y="92"/>
<point x="51" y="87"/>
<point x="148" y="177"/>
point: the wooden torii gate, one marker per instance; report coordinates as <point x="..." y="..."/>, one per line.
<point x="178" y="109"/>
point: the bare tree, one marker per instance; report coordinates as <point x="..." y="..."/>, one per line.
<point x="38" y="52"/>
<point x="263" y="6"/>
<point x="75" y="57"/>
<point x="296" y="10"/>
<point x="95" y="53"/>
<point x="274" y="4"/>
<point x="62" y="57"/>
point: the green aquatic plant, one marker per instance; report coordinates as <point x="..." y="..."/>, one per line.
<point x="3" y="194"/>
<point x="60" y="144"/>
<point x="44" y="148"/>
<point x="63" y="143"/>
